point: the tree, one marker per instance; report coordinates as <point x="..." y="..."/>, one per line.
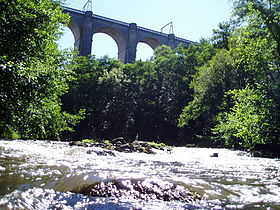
<point x="220" y="37"/>
<point x="261" y="13"/>
<point x="142" y="99"/>
<point x="101" y="90"/>
<point x="248" y="61"/>
<point x="31" y="80"/>
<point x="28" y="29"/>
<point x="173" y="71"/>
<point x="209" y="84"/>
<point x="249" y="121"/>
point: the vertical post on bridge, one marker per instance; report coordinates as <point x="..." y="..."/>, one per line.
<point x="88" y="6"/>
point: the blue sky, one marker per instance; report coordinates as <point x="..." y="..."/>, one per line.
<point x="192" y="19"/>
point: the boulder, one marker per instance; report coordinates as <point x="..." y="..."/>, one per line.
<point x="140" y="189"/>
<point x="119" y="140"/>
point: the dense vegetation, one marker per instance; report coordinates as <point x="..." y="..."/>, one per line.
<point x="31" y="78"/>
<point x="223" y="90"/>
<point x="140" y="100"/>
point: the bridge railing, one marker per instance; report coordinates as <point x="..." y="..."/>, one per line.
<point x="184" y="40"/>
<point x="73" y="10"/>
<point x="164" y="34"/>
<point x="96" y="16"/>
<point x="110" y="19"/>
<point x="152" y="31"/>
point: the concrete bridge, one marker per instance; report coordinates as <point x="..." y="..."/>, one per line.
<point x="126" y="35"/>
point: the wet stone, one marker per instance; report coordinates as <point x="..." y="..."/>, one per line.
<point x="215" y="155"/>
<point x="118" y="140"/>
<point x="118" y="145"/>
<point x="140" y="189"/>
<point x="101" y="153"/>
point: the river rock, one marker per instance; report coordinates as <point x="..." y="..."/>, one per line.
<point x="101" y="152"/>
<point x="118" y="144"/>
<point x="215" y="154"/>
<point x="140" y="189"/>
<point x="118" y="140"/>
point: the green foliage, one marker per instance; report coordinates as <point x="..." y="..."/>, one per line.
<point x="201" y="53"/>
<point x="230" y="83"/>
<point x="88" y="141"/>
<point x="31" y="80"/>
<point x="142" y="99"/>
<point x="157" y="145"/>
<point x="29" y="27"/>
<point x="247" y="57"/>
<point x="209" y="84"/>
<point x="263" y="14"/>
<point x="249" y="121"/>
<point x="247" y="47"/>
<point x="10" y="134"/>
<point x="221" y="36"/>
<point x="227" y="87"/>
<point x="100" y="90"/>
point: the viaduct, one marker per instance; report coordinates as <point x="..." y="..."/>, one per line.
<point x="84" y="24"/>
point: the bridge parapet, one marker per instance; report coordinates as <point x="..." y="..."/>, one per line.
<point x="69" y="9"/>
<point x="110" y="20"/>
<point x="152" y="31"/>
<point x="184" y="40"/>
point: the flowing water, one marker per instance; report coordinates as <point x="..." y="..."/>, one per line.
<point x="48" y="175"/>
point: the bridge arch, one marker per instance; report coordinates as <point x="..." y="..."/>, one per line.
<point x="152" y="42"/>
<point x="104" y="45"/>
<point x="144" y="51"/>
<point x="118" y="38"/>
<point x="76" y="31"/>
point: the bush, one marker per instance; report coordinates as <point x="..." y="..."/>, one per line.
<point x="249" y="121"/>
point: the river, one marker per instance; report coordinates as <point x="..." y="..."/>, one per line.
<point x="46" y="175"/>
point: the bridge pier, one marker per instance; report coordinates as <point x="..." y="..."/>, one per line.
<point x="86" y="35"/>
<point x="171" y="41"/>
<point x="132" y="43"/>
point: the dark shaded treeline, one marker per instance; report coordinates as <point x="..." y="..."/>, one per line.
<point x="224" y="90"/>
<point x="140" y="100"/>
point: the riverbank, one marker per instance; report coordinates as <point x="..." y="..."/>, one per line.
<point x="266" y="150"/>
